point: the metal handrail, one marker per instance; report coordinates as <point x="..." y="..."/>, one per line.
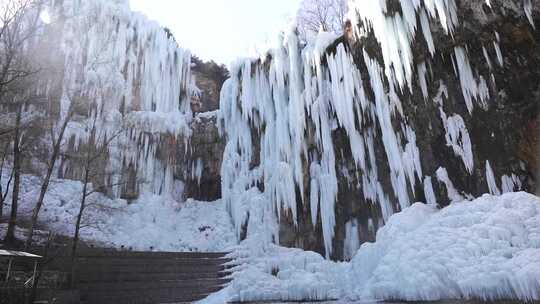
<point x="28" y="283"/>
<point x="30" y="280"/>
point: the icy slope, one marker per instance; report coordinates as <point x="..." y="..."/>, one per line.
<point x="488" y="248"/>
<point x="151" y="223"/>
<point x="163" y="224"/>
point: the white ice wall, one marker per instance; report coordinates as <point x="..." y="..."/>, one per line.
<point x="133" y="77"/>
<point x="295" y="102"/>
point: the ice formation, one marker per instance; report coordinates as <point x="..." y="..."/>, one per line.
<point x="133" y="80"/>
<point x="294" y="99"/>
<point x="510" y="183"/>
<point x="487" y="249"/>
<point x="196" y="170"/>
<point x="352" y="239"/>
<point x="457" y="137"/>
<point x="428" y="191"/>
<point x="453" y="194"/>
<point x="422" y="254"/>
<point x="492" y="183"/>
<point x="527" y="6"/>
<point x="469" y="85"/>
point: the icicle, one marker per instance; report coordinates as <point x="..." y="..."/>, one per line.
<point x="498" y="51"/>
<point x="490" y="178"/>
<point x="527" y="6"/>
<point x="422" y="79"/>
<point x="389" y="137"/>
<point x="468" y="83"/>
<point x="486" y="56"/>
<point x="457" y="137"/>
<point x="509" y="183"/>
<point x="453" y="195"/>
<point x="352" y="239"/>
<point x="428" y="191"/>
<point x="197" y="170"/>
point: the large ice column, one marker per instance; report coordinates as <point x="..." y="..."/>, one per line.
<point x="290" y="91"/>
<point x="296" y="101"/>
<point x="131" y="77"/>
<point x="289" y="99"/>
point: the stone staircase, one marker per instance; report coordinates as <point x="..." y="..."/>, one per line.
<point x="148" y="278"/>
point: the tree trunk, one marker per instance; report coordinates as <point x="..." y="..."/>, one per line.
<point x="3" y="195"/>
<point x="2" y="198"/>
<point x="45" y="186"/>
<point x="10" y="235"/>
<point x="78" y="224"/>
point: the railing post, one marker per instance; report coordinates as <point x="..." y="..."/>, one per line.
<point x="9" y="270"/>
<point x="35" y="272"/>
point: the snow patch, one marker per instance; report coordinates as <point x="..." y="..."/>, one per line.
<point x="151" y="223"/>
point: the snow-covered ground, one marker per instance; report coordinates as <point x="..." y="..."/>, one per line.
<point x="150" y="223"/>
<point x="488" y="248"/>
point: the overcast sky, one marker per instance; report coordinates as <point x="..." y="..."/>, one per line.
<point x="220" y="29"/>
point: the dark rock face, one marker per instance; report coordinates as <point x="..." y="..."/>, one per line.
<point x="504" y="132"/>
<point x="209" y="78"/>
<point x="200" y="167"/>
<point x="195" y="158"/>
<point x="196" y="162"/>
<point x="206" y="148"/>
<point x="209" y="95"/>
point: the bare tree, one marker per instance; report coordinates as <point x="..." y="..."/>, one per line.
<point x="4" y="192"/>
<point x="56" y="141"/>
<point x="20" y="140"/>
<point x="95" y="152"/>
<point x="10" y="235"/>
<point x="19" y="25"/>
<point x="78" y="100"/>
<point x="88" y="157"/>
<point x="326" y="15"/>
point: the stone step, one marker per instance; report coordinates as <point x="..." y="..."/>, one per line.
<point x="151" y="255"/>
<point x="63" y="264"/>
<point x="149" y="268"/>
<point x="149" y="296"/>
<point x="149" y="277"/>
<point x="144" y="277"/>
<point x="189" y="285"/>
<point x="146" y="261"/>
